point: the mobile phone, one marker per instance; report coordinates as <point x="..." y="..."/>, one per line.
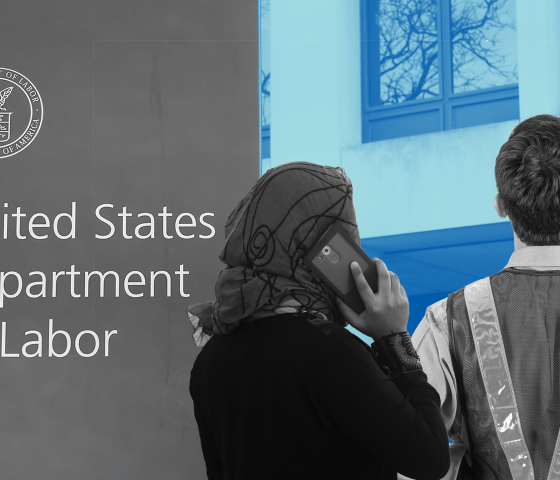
<point x="330" y="260"/>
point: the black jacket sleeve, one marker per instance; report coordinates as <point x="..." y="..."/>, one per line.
<point x="398" y="420"/>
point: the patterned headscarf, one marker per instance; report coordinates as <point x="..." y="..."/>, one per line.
<point x="267" y="236"/>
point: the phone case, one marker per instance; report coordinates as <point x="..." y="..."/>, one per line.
<point x="330" y="260"/>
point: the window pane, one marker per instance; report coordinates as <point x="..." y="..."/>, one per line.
<point x="404" y="62"/>
<point x="484" y="44"/>
<point x="426" y="121"/>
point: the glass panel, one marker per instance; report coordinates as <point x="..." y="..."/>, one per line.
<point x="404" y="125"/>
<point x="484" y="44"/>
<point x="492" y="111"/>
<point x="404" y="62"/>
<point x="265" y="63"/>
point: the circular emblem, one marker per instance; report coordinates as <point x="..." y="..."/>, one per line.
<point x="21" y="112"/>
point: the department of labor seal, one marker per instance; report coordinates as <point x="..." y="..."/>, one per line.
<point x="21" y="112"/>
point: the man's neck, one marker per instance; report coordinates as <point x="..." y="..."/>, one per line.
<point x="517" y="244"/>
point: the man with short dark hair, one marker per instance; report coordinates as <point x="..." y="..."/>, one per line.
<point x="499" y="383"/>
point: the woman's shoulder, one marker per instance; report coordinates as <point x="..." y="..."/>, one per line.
<point x="305" y="334"/>
<point x="284" y="336"/>
<point x="279" y="344"/>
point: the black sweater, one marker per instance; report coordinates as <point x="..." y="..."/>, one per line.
<point x="279" y="399"/>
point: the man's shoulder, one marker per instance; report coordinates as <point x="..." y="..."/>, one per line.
<point x="436" y="314"/>
<point x="438" y="311"/>
<point x="433" y="324"/>
<point x="435" y="319"/>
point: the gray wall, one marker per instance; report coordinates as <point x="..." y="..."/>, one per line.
<point x="147" y="103"/>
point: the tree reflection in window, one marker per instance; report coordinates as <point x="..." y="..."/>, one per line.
<point x="484" y="44"/>
<point x="408" y="50"/>
<point x="482" y="34"/>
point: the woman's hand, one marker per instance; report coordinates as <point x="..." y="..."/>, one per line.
<point x="386" y="311"/>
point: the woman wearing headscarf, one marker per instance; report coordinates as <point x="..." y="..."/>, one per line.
<point x="281" y="389"/>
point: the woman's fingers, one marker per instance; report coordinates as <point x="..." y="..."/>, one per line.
<point x="396" y="288"/>
<point x="386" y="311"/>
<point x="364" y="289"/>
<point x="395" y="283"/>
<point x="383" y="278"/>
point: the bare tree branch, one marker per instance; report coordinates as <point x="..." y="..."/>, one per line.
<point x="409" y="47"/>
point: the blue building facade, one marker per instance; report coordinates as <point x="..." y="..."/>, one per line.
<point x="413" y="98"/>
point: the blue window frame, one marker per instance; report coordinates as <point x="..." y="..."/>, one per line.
<point x="432" y="65"/>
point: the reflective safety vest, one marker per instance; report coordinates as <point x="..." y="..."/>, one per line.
<point x="491" y="409"/>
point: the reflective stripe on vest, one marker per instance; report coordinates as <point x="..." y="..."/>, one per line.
<point x="489" y="345"/>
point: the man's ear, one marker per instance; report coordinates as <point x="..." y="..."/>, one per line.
<point x="499" y="206"/>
